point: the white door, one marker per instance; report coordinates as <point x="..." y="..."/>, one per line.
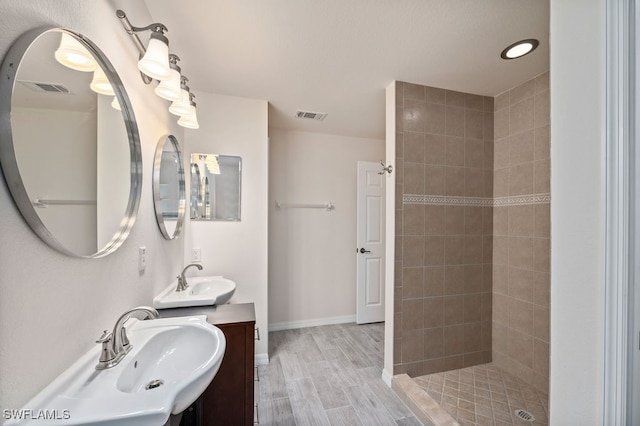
<point x="370" y="250"/>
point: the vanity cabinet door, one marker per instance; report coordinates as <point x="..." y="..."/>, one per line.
<point x="229" y="398"/>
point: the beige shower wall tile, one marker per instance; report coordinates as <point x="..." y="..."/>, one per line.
<point x="434" y="149"/>
<point x="413" y="249"/>
<point x="542" y="112"/>
<point x="436" y="95"/>
<point x="434" y="220"/>
<point x="454" y="181"/>
<point x="414" y="219"/>
<point x="412" y="282"/>
<point x="521" y="284"/>
<point x="541" y="323"/>
<point x="501" y="153"/>
<point x="501" y="123"/>
<point x="501" y="101"/>
<point x="435" y="119"/>
<point x="474" y="182"/>
<point x="521" y="220"/>
<point x="433" y="250"/>
<point x="521" y="252"/>
<point x="474" y="102"/>
<point x="433" y="343"/>
<point x="414" y="91"/>
<point x="473" y="217"/>
<point x="453" y="279"/>
<point x="500" y="279"/>
<point x="520" y="179"/>
<point x="541" y="254"/>
<point x="456" y="99"/>
<point x="521" y="116"/>
<point x="454" y="121"/>
<point x="542" y="82"/>
<point x="542" y="142"/>
<point x="433" y="312"/>
<point x="542" y="288"/>
<point x="473" y="279"/>
<point x="473" y="124"/>
<point x="434" y="179"/>
<point x="542" y="176"/>
<point x="454" y="151"/>
<point x="414" y="148"/>
<point x="542" y="220"/>
<point x="488" y="126"/>
<point x="414" y="178"/>
<point x="521" y="147"/>
<point x="521" y="316"/>
<point x="474" y="153"/>
<point x="433" y="281"/>
<point x="523" y="91"/>
<point x="412" y="314"/>
<point x="414" y="116"/>
<point x="454" y="220"/>
<point x="521" y="347"/>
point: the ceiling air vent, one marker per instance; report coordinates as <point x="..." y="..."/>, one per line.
<point x="45" y="87"/>
<point x="311" y="115"/>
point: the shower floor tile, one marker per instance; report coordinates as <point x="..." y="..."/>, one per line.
<point x="485" y="395"/>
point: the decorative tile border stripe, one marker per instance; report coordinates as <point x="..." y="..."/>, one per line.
<point x="442" y="200"/>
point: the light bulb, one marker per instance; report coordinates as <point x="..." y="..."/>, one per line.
<point x="190" y="120"/>
<point x="72" y="54"/>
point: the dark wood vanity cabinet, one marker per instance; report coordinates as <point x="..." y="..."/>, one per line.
<point x="229" y="398"/>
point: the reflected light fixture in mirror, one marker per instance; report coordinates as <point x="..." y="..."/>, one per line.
<point x="72" y="54"/>
<point x="100" y="83"/>
<point x="156" y="63"/>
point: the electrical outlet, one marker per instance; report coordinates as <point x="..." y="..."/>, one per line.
<point x="196" y="254"/>
<point x="142" y="258"/>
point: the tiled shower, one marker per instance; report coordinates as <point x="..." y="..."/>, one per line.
<point x="472" y="230"/>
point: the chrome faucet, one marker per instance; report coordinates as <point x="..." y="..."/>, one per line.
<point x="182" y="280"/>
<point x="115" y="344"/>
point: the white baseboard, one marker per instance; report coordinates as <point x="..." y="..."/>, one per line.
<point x="387" y="377"/>
<point x="279" y="326"/>
<point x="262" y="359"/>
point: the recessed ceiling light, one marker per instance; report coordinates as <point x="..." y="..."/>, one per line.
<point x="519" y="48"/>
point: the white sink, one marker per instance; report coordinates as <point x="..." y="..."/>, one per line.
<point x="184" y="353"/>
<point x="202" y="291"/>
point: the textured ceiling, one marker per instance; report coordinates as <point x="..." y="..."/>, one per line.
<point x="337" y="56"/>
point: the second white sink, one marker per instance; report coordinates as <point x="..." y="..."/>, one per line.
<point x="202" y="291"/>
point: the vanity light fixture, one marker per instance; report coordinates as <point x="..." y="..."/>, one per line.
<point x="519" y="49"/>
<point x="157" y="63"/>
<point x="72" y="54"/>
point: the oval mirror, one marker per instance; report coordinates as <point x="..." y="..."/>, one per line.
<point x="69" y="144"/>
<point x="169" y="187"/>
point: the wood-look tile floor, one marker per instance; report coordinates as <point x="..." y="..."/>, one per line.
<point x="328" y="375"/>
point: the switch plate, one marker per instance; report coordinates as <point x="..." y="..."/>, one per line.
<point x="196" y="254"/>
<point x="142" y="258"/>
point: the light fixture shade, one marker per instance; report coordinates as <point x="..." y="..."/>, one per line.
<point x="155" y="62"/>
<point x="72" y="54"/>
<point x="190" y="120"/>
<point x="169" y="88"/>
<point x="100" y="83"/>
<point x="115" y="104"/>
<point x="181" y="106"/>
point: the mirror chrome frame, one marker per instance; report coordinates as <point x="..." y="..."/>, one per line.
<point x="157" y="205"/>
<point x="8" y="161"/>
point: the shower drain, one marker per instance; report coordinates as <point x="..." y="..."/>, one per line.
<point x="525" y="415"/>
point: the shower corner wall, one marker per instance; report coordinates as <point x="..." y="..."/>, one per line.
<point x="472" y="230"/>
<point x="444" y="230"/>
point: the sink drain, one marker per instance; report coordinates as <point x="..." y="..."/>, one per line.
<point x="154" y="384"/>
<point x="525" y="415"/>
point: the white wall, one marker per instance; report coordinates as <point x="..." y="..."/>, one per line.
<point x="312" y="259"/>
<point x="238" y="250"/>
<point x="577" y="216"/>
<point x="53" y="307"/>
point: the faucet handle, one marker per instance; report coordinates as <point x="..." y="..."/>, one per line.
<point x="106" y="353"/>
<point x="106" y="336"/>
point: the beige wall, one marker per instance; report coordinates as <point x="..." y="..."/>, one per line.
<point x="444" y="149"/>
<point x="312" y="260"/>
<point x="521" y="232"/>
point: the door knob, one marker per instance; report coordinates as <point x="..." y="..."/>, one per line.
<point x="362" y="250"/>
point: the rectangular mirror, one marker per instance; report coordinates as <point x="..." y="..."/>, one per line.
<point x="215" y="187"/>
